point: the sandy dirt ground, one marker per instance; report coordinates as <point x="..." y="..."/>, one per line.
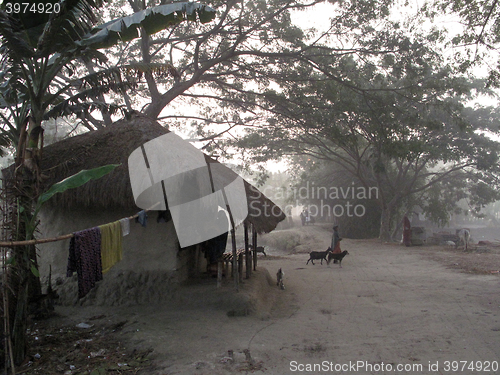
<point x="388" y="310"/>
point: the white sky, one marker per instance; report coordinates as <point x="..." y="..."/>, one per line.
<point x="318" y="17"/>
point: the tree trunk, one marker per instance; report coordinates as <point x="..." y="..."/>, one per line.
<point x="385" y="224"/>
<point x="24" y="284"/>
<point x="389" y="209"/>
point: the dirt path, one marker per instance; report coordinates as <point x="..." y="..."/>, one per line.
<point x="388" y="306"/>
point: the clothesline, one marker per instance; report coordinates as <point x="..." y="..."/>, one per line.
<point x="52" y="239"/>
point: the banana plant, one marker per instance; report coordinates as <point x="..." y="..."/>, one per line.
<point x="37" y="50"/>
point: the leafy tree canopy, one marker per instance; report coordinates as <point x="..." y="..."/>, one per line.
<point x="479" y="36"/>
<point x="396" y="120"/>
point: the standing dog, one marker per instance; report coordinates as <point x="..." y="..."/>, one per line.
<point x="337" y="257"/>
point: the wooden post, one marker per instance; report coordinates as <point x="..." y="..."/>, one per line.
<point x="197" y="260"/>
<point x="219" y="273"/>
<point x="240" y="267"/>
<point x="233" y="240"/>
<point x="254" y="247"/>
<point x="248" y="255"/>
<point x="235" y="261"/>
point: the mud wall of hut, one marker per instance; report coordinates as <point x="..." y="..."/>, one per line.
<point x="151" y="269"/>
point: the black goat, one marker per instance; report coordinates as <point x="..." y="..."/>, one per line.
<point x="337" y="257"/>
<point x="319" y="255"/>
<point x="259" y="249"/>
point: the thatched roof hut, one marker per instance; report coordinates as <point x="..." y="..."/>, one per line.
<point x="113" y="145"/>
<point x="153" y="261"/>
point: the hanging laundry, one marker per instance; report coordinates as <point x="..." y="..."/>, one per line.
<point x="125" y="223"/>
<point x="142" y="218"/>
<point x="111" y="245"/>
<point x="215" y="247"/>
<point x="85" y="259"/>
<point x="164" y="216"/>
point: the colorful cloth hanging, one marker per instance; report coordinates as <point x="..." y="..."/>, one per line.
<point x="85" y="259"/>
<point x="111" y="245"/>
<point x="125" y="223"/>
<point x="142" y="218"/>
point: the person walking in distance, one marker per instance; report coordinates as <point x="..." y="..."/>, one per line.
<point x="406" y="231"/>
<point x="336" y="241"/>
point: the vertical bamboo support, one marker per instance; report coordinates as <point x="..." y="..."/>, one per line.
<point x="235" y="261"/>
<point x="240" y="267"/>
<point x="197" y="261"/>
<point x="6" y="228"/>
<point x="254" y="247"/>
<point x="248" y="255"/>
<point x="219" y="274"/>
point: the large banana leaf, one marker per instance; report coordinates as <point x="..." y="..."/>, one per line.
<point x="152" y="20"/>
<point x="40" y="28"/>
<point x="71" y="182"/>
<point x="75" y="181"/>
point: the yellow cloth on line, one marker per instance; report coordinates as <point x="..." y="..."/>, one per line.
<point x="111" y="245"/>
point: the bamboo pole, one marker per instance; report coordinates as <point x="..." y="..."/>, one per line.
<point x="219" y="274"/>
<point x="254" y="247"/>
<point x="240" y="267"/>
<point x="8" y="347"/>
<point x="34" y="242"/>
<point x="9" y="355"/>
<point x="235" y="261"/>
<point x="45" y="240"/>
<point x="248" y="255"/>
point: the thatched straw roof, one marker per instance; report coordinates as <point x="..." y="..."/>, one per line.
<point x="113" y="145"/>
